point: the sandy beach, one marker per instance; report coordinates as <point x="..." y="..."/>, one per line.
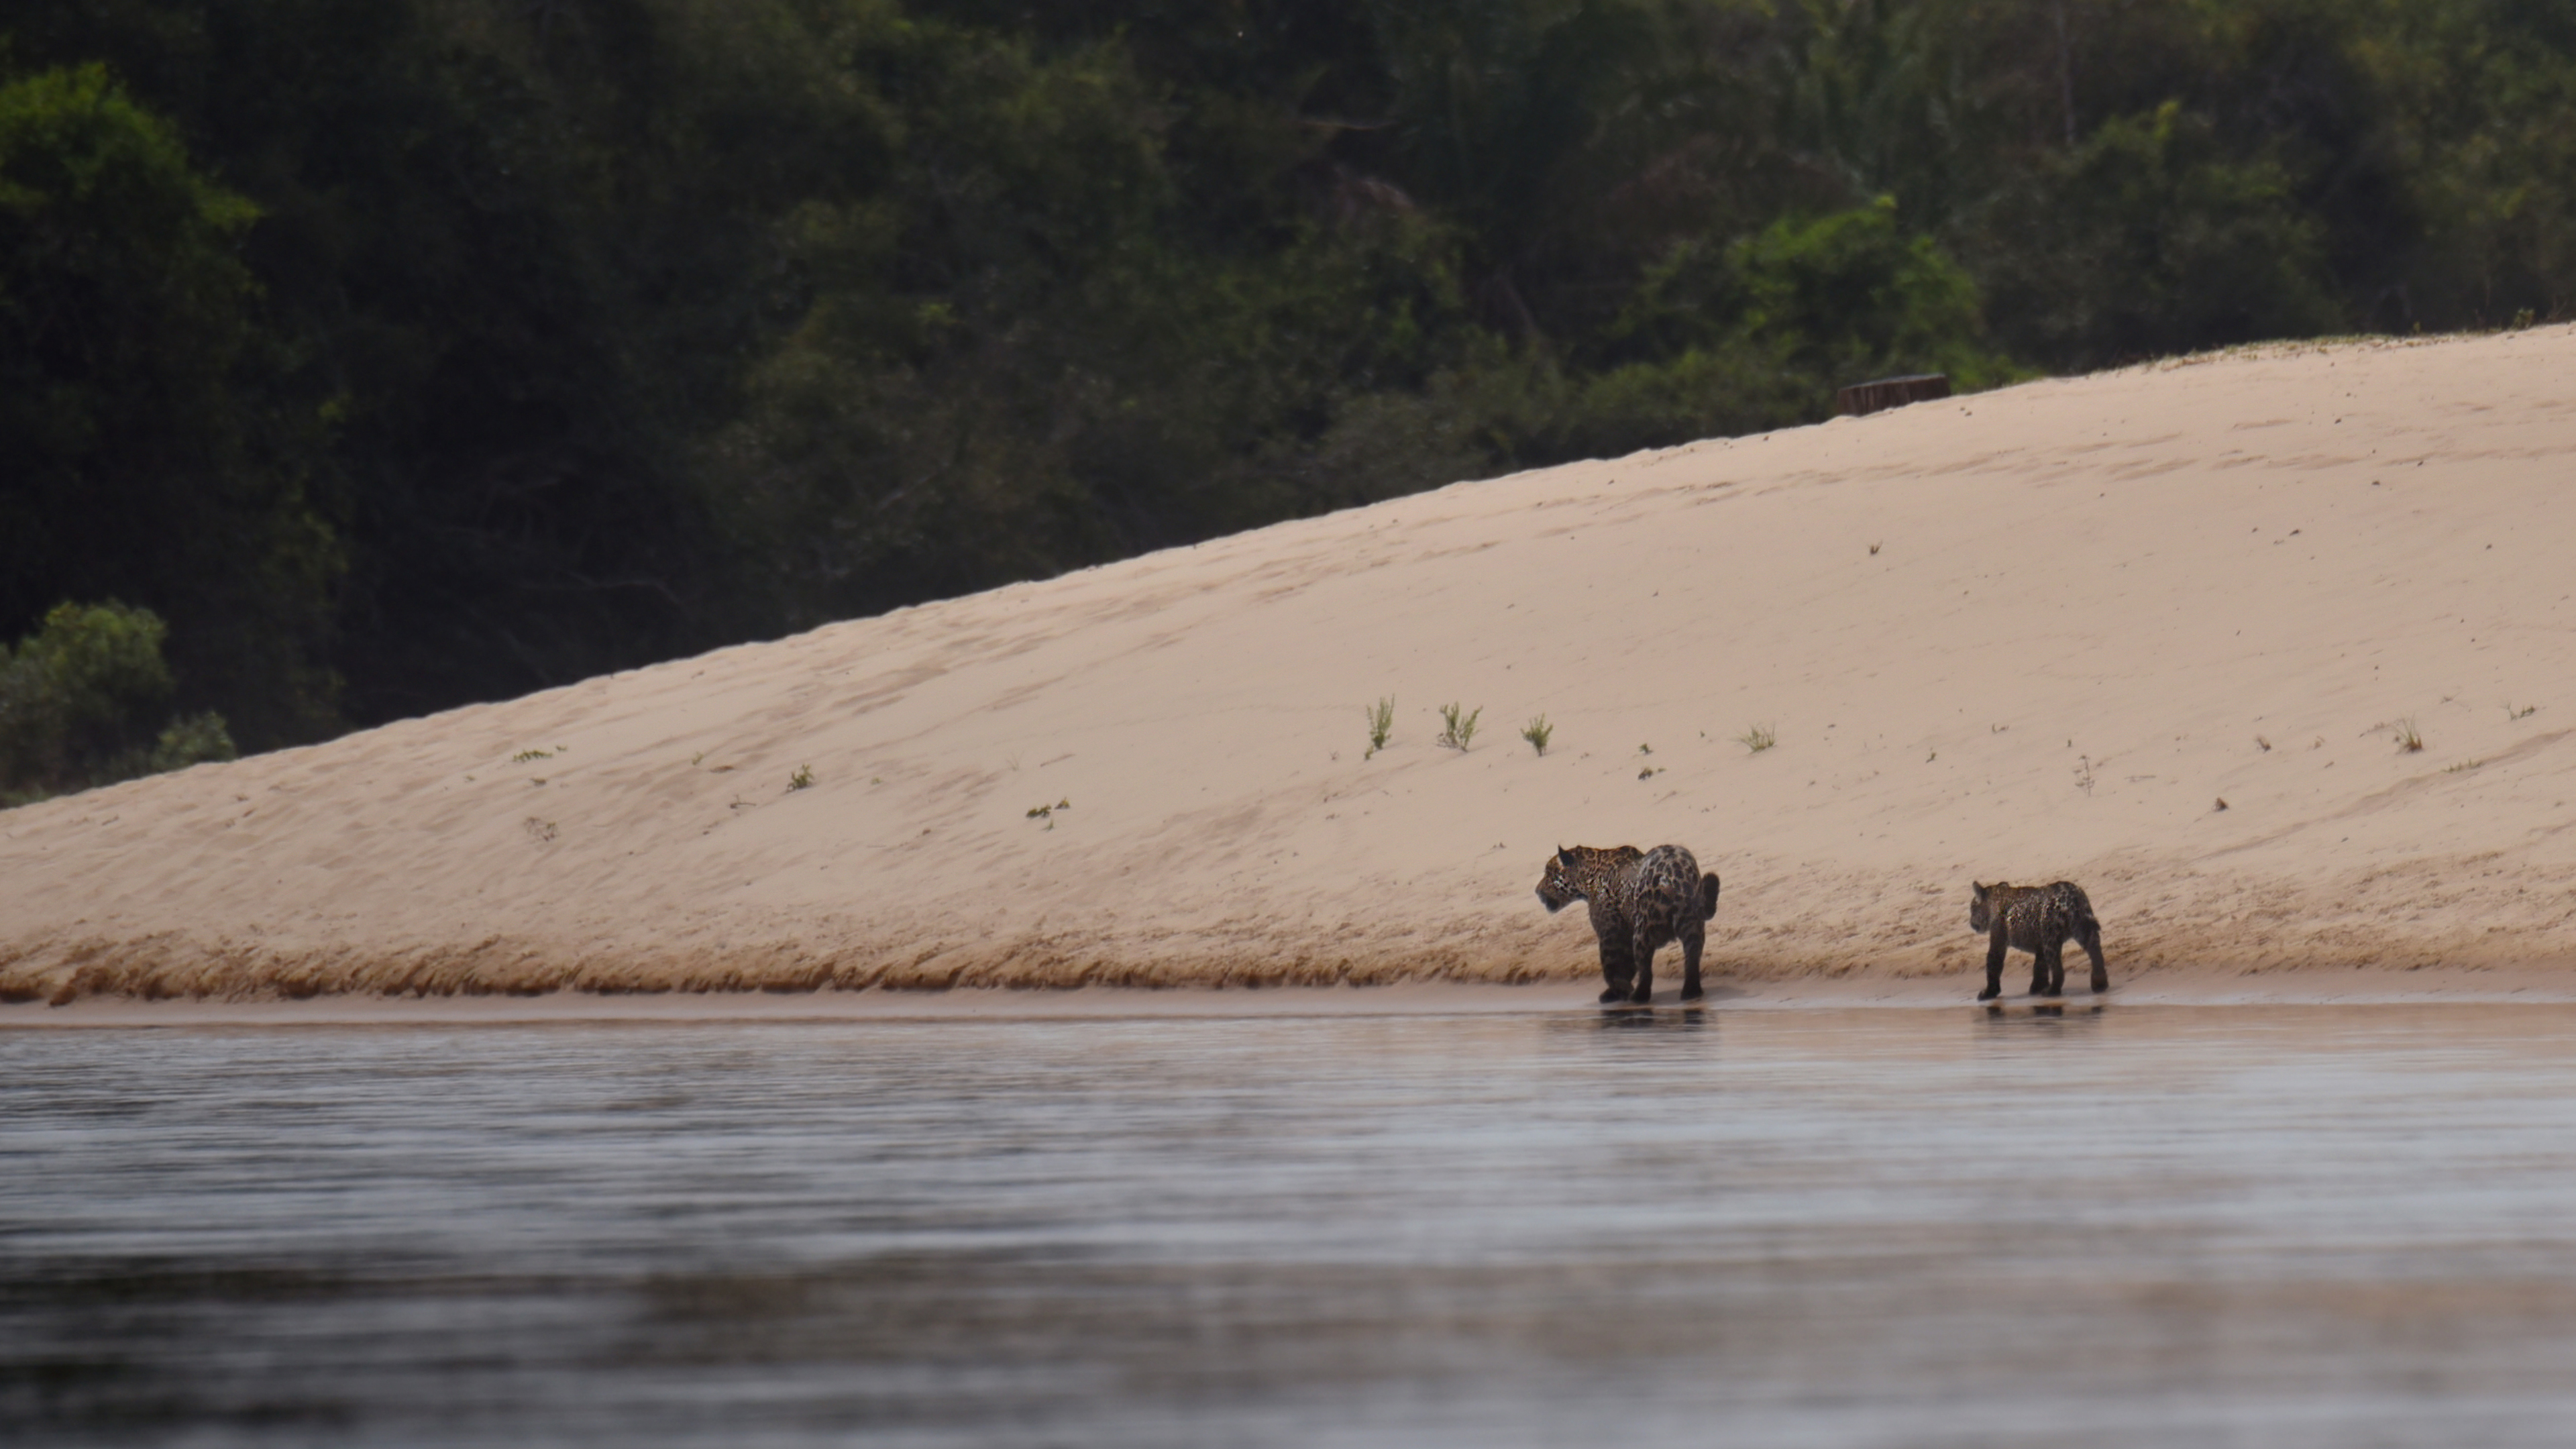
<point x="2163" y="631"/>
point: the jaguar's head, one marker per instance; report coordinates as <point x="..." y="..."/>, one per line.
<point x="1557" y="888"/>
<point x="1981" y="907"/>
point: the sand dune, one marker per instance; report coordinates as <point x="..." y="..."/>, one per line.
<point x="2028" y="634"/>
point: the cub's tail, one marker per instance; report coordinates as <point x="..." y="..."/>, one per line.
<point x="1708" y="896"/>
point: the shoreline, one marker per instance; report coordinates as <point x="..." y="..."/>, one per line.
<point x="2359" y="986"/>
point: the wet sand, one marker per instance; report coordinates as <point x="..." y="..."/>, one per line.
<point x="2306" y="987"/>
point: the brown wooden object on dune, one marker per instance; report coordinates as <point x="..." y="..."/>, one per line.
<point x="1862" y="398"/>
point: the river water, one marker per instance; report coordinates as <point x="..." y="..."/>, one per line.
<point x="2273" y="1226"/>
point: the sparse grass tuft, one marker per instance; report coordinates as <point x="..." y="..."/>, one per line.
<point x="1538" y="732"/>
<point x="1047" y="812"/>
<point x="524" y="756"/>
<point x="2408" y="740"/>
<point x="2262" y="744"/>
<point x="2526" y="712"/>
<point x="2462" y="767"/>
<point x="1873" y="550"/>
<point x="540" y="831"/>
<point x="1381" y="722"/>
<point x="1759" y="738"/>
<point x="1458" y="726"/>
<point x="803" y="779"/>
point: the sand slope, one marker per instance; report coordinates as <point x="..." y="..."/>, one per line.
<point x="2034" y="633"/>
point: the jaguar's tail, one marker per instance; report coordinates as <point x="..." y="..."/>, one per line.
<point x="1708" y="896"/>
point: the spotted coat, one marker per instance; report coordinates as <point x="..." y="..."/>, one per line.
<point x="1642" y="901"/>
<point x="2040" y="920"/>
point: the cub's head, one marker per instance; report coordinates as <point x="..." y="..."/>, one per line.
<point x="1557" y="888"/>
<point x="1981" y="906"/>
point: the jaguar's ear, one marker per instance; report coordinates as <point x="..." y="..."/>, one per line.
<point x="1564" y="856"/>
<point x="1981" y="889"/>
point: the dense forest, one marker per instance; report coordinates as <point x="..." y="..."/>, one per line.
<point x="364" y="357"/>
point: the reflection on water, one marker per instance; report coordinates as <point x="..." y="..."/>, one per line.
<point x="2275" y="1226"/>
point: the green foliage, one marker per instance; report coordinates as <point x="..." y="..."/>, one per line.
<point x="2154" y="241"/>
<point x="1381" y="724"/>
<point x="193" y="739"/>
<point x="1776" y="321"/>
<point x="78" y="703"/>
<point x="1458" y="726"/>
<point x="144" y="452"/>
<point x="411" y="352"/>
<point x="1538" y="732"/>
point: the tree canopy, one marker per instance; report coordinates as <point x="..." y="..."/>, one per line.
<point x="402" y="353"/>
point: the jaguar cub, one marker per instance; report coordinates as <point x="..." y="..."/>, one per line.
<point x="2040" y="920"/>
<point x="1642" y="901"/>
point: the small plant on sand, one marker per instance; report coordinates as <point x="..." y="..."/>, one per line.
<point x="1537" y="732"/>
<point x="524" y="756"/>
<point x="2462" y="767"/>
<point x="2526" y="712"/>
<point x="540" y="831"/>
<point x="1458" y="726"/>
<point x="1381" y="722"/>
<point x="1758" y="738"/>
<point x="2408" y="740"/>
<point x="803" y="779"/>
<point x="1047" y="812"/>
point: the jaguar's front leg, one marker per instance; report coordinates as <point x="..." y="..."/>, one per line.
<point x="2092" y="943"/>
<point x="1615" y="968"/>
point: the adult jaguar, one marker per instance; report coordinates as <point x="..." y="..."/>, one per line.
<point x="1642" y="901"/>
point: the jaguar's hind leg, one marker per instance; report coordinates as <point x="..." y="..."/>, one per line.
<point x="2091" y="940"/>
<point x="2039" y="972"/>
<point x="1643" y="955"/>
<point x="2053" y="960"/>
<point x="1692" y="939"/>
